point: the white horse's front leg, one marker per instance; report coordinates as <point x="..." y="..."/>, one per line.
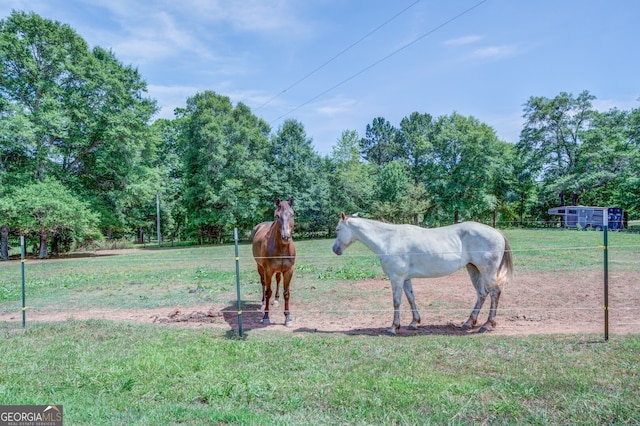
<point x="408" y="291"/>
<point x="396" y="288"/>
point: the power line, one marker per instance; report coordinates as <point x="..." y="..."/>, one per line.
<point x="340" y="54"/>
<point x="380" y="60"/>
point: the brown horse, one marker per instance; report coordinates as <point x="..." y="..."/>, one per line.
<point x="275" y="253"/>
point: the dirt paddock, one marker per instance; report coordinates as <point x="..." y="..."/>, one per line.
<point x="570" y="303"/>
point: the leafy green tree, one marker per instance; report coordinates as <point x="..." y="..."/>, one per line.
<point x="168" y="161"/>
<point x="525" y="186"/>
<point x="415" y="139"/>
<point x="380" y="145"/>
<point x="296" y="169"/>
<point x="47" y="207"/>
<point x="398" y="199"/>
<point x="460" y="175"/>
<point x="627" y="190"/>
<point x="225" y="171"/>
<point x="606" y="154"/>
<point x="351" y="181"/>
<point x="83" y="114"/>
<point x="507" y="182"/>
<point x="552" y="137"/>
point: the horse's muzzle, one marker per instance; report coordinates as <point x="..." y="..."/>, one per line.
<point x="337" y="249"/>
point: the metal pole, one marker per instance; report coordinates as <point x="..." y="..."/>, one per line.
<point x="24" y="307"/>
<point x="606" y="275"/>
<point x="235" y="238"/>
<point x="605" y="307"/>
<point x="158" y="217"/>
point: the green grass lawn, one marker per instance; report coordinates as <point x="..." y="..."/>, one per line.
<point x="106" y="372"/>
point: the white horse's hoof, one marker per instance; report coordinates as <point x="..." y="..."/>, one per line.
<point x="413" y="326"/>
<point x="392" y="331"/>
<point x="486" y="328"/>
<point x="467" y="325"/>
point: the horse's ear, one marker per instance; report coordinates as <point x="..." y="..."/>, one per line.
<point x="291" y="202"/>
<point x="343" y="216"/>
<point x="277" y="202"/>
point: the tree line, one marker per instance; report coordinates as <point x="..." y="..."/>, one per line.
<point x="82" y="158"/>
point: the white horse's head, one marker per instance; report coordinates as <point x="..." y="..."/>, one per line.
<point x="345" y="235"/>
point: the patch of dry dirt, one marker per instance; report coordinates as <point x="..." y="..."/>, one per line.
<point x="532" y="304"/>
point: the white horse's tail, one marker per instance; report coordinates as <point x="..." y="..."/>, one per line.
<point x="505" y="271"/>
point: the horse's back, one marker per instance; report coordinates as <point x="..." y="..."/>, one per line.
<point x="432" y="252"/>
<point x="259" y="235"/>
<point x="260" y="231"/>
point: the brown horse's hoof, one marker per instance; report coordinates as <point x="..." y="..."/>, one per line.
<point x="275" y="303"/>
<point x="265" y="321"/>
<point x="288" y="323"/>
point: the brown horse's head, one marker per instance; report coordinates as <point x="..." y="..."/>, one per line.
<point x="284" y="218"/>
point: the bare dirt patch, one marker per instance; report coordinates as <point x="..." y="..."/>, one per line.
<point x="568" y="303"/>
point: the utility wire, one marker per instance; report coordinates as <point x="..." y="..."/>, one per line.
<point x="381" y="60"/>
<point x="340" y="54"/>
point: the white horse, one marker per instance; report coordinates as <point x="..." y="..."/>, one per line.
<point x="407" y="251"/>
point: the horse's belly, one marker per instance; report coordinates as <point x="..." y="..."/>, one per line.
<point x="420" y="266"/>
<point x="433" y="271"/>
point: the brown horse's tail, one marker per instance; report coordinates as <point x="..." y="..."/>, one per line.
<point x="505" y="271"/>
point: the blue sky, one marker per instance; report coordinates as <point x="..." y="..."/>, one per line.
<point x="338" y="64"/>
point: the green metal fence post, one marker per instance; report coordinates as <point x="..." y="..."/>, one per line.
<point x="606" y="275"/>
<point x="235" y="238"/>
<point x="22" y="260"/>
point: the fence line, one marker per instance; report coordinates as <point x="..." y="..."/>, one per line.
<point x="408" y="310"/>
<point x="155" y="261"/>
<point x="99" y="257"/>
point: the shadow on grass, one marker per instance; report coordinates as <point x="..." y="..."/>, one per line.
<point x="251" y="318"/>
<point x="434" y="329"/>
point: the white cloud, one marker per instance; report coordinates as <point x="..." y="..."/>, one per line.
<point x="170" y="97"/>
<point x="336" y="106"/>
<point x="460" y="41"/>
<point x="276" y="16"/>
<point x="495" y="52"/>
<point x="624" y="104"/>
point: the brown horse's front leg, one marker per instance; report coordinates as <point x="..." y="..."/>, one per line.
<point x="261" y="272"/>
<point x="287" y="281"/>
<point x="266" y="296"/>
<point x="276" y="300"/>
